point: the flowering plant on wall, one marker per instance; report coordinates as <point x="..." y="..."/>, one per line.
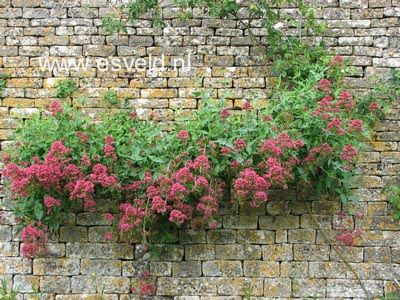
<point x="158" y="176"/>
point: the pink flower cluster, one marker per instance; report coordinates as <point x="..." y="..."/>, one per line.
<point x="57" y="178"/>
<point x="184" y="188"/>
<point x="348" y="232"/>
<point x="34" y="238"/>
<point x="55" y="108"/>
<point x="251" y="187"/>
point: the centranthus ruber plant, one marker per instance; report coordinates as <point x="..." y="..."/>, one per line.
<point x="161" y="176"/>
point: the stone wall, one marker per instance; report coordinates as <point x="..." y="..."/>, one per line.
<point x="278" y="249"/>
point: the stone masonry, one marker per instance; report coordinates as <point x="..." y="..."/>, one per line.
<point x="277" y="250"/>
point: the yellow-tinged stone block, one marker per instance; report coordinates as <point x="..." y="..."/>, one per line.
<point x="377" y="208"/>
<point x="383" y="146"/>
<point x="18" y="102"/>
<point x="8" y="123"/>
<point x="25" y="82"/>
<point x="183" y="103"/>
<point x="256" y="268"/>
<point x="184" y="113"/>
<point x="159" y="93"/>
<point x="126" y="92"/>
<point x="259" y="71"/>
<point x="196" y="72"/>
<point x="6" y="134"/>
<point x="230" y="72"/>
<point x="236" y="286"/>
<point x="217" y="82"/>
<point x="148" y="82"/>
<point x="3" y="112"/>
<point x="83" y="73"/>
<point x="371" y="181"/>
<point x="51" y="82"/>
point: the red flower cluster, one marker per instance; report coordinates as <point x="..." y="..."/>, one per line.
<point x="58" y="179"/>
<point x="347" y="228"/>
<point x="33" y="237"/>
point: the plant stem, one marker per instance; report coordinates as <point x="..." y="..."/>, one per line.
<point x="329" y="242"/>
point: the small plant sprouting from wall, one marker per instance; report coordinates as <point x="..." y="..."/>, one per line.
<point x="110" y="98"/>
<point x="3" y="83"/>
<point x="65" y="88"/>
<point x="5" y="293"/>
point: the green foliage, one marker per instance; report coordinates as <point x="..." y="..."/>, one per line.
<point x="393" y="195"/>
<point x="248" y="292"/>
<point x="295" y="60"/>
<point x="3" y="82"/>
<point x="137" y="8"/>
<point x="113" y="24"/>
<point x="65" y="88"/>
<point x="265" y="10"/>
<point x="111" y="99"/>
<point x="319" y="161"/>
<point x="390" y="296"/>
<point x="4" y="293"/>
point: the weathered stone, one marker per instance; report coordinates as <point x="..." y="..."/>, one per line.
<point x="15" y="265"/>
<point x="294" y="269"/>
<point x="56" y="266"/>
<point x="327" y="270"/>
<point x="377" y="222"/>
<point x="55" y="284"/>
<point x="9" y="249"/>
<point x="277" y="252"/>
<point x="82" y="12"/>
<point x="387" y="62"/>
<point x="199" y="252"/>
<point x="218" y="23"/>
<point x="26" y="283"/>
<point x="255" y="236"/>
<point x="309" y="288"/>
<point x="308" y="252"/>
<point x="279" y="222"/>
<point x="221" y="236"/>
<point x="8" y="12"/>
<point x="354" y="3"/>
<point x="235" y="286"/>
<point x="158" y="93"/>
<point x="73" y="234"/>
<point x="186" y="269"/>
<point x="159" y="268"/>
<point x="113" y="284"/>
<point x="373" y="271"/>
<point x="173" y="286"/>
<point x="237" y="251"/>
<point x="256" y="268"/>
<point x="84" y="284"/>
<point x="351" y="254"/>
<point x="97" y="234"/>
<point x="221" y="61"/>
<point x="66" y="51"/>
<point x="302" y="236"/>
<point x="35" y="13"/>
<point x="100" y="267"/>
<point x="350" y="288"/>
<point x="5" y="233"/>
<point x="97" y="250"/>
<point x="218" y="268"/>
<point x="379" y="3"/>
<point x="240" y="222"/>
<point x="277" y="287"/>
